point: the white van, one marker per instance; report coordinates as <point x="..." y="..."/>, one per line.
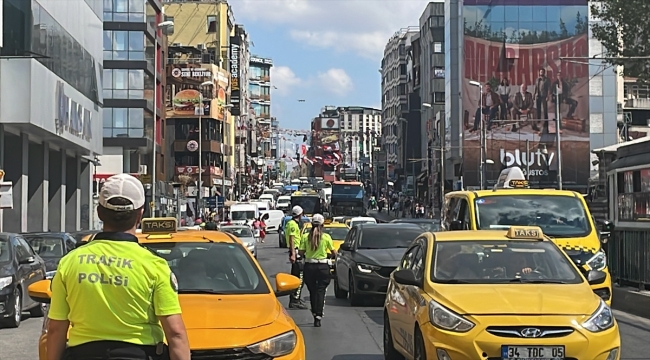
<point x="262" y="204"/>
<point x="244" y="212"/>
<point x="284" y="203"/>
<point x="270" y="198"/>
<point x="274" y="220"/>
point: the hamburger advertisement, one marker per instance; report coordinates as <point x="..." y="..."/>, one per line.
<point x="196" y="90"/>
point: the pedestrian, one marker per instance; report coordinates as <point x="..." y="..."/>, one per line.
<point x="120" y="296"/>
<point x="316" y="251"/>
<point x="292" y="237"/>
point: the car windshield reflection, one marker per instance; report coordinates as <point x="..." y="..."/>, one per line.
<point x="220" y="268"/>
<point x="488" y="262"/>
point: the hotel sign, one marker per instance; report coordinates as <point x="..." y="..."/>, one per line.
<point x="70" y="116"/>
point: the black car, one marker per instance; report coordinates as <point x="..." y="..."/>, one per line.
<point x="51" y="246"/>
<point x="426" y="224"/>
<point x="19" y="268"/>
<point x="368" y="256"/>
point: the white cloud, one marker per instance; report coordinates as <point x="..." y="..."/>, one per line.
<point x="284" y="80"/>
<point x="335" y="81"/>
<point x="361" y="26"/>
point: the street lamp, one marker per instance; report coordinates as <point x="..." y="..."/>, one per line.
<point x="482" y="133"/>
<point x="162" y="26"/>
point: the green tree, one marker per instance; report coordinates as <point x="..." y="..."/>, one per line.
<point x="624" y="31"/>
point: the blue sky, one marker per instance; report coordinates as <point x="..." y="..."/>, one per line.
<point x="326" y="52"/>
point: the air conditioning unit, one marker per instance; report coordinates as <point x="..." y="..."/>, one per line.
<point x="200" y="46"/>
<point x="176" y="44"/>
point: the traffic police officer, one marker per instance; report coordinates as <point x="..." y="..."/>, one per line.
<point x="292" y="237"/>
<point x="114" y="292"/>
<point x="317" y="271"/>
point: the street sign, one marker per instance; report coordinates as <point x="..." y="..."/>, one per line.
<point x="145" y="178"/>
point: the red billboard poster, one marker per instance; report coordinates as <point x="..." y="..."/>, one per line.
<point x="522" y="58"/>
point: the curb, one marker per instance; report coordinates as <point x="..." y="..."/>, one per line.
<point x="631" y="301"/>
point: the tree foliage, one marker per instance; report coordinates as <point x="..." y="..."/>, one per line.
<point x="624" y="31"/>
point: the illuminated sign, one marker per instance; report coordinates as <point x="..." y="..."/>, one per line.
<point x="159" y="226"/>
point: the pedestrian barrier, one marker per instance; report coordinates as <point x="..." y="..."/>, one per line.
<point x="628" y="253"/>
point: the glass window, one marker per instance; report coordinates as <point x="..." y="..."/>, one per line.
<point x="46" y="246"/>
<point x="388" y="238"/>
<point x="120" y="118"/>
<point x="558" y="216"/>
<point x="120" y="40"/>
<point x="489" y="262"/>
<point x="136" y="118"/>
<point x="212" y="24"/>
<point x="122" y="122"/>
<point x="136" y="41"/>
<point x="108" y="117"/>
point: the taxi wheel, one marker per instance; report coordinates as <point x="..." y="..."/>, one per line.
<point x="355" y="299"/>
<point x="420" y="351"/>
<point x="389" y="349"/>
<point x="338" y="292"/>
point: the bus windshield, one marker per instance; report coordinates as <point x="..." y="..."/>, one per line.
<point x="558" y="216"/>
<point x="309" y="204"/>
<point x="347" y="191"/>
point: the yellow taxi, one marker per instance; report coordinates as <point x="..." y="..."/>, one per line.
<point x="338" y="231"/>
<point x="229" y="307"/>
<point x="563" y="216"/>
<point x="493" y="294"/>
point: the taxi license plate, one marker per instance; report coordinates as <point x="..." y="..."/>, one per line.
<point x="532" y="352"/>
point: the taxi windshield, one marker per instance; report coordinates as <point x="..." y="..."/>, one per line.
<point x="558" y="216"/>
<point x="489" y="262"/>
<point x="213" y="268"/>
<point x="337" y="233"/>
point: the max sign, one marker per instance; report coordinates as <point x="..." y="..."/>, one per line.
<point x="70" y="116"/>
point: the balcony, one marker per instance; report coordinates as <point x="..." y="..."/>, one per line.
<point x="206" y="145"/>
<point x="266" y="78"/>
<point x="265" y="116"/>
<point x="640" y="104"/>
<point x="266" y="97"/>
<point x="255" y="96"/>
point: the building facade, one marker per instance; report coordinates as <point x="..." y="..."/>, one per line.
<point x="360" y="131"/>
<point x="537" y="56"/>
<point x="240" y="99"/>
<point x="50" y="121"/>
<point x="395" y="105"/>
<point x="432" y="92"/>
<point x="202" y="33"/>
<point x="134" y="57"/>
<point x="259" y="90"/>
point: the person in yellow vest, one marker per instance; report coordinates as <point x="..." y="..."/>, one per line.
<point x="317" y="247"/>
<point x="118" y="299"/>
<point x="292" y="237"/>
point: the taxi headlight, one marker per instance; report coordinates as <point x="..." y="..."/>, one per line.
<point x="367" y="269"/>
<point x="276" y="346"/>
<point x="601" y="319"/>
<point x="446" y="319"/>
<point x="50" y="275"/>
<point x="598" y="261"/>
<point x="5" y="281"/>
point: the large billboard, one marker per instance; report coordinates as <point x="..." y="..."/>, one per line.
<point x="189" y="85"/>
<point x="522" y="53"/>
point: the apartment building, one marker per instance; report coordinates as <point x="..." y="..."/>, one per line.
<point x="259" y="89"/>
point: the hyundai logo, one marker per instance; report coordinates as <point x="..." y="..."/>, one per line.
<point x="531" y="333"/>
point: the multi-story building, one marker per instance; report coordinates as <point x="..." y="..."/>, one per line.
<point x="240" y="99"/>
<point x="475" y="58"/>
<point x="201" y="39"/>
<point x="133" y="42"/>
<point x="432" y="93"/>
<point x="324" y="156"/>
<point x="395" y="104"/>
<point x="360" y="128"/>
<point x="51" y="114"/>
<point x="259" y="90"/>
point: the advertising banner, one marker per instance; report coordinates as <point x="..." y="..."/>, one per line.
<point x="189" y="90"/>
<point x="516" y="50"/>
<point x="235" y="91"/>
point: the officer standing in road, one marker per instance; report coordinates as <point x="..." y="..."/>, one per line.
<point x="292" y="237"/>
<point x="317" y="269"/>
<point x="120" y="298"/>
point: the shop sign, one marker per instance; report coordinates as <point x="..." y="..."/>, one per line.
<point x="187" y="72"/>
<point x="70" y="116"/>
<point x="235" y="91"/>
<point x="261" y="60"/>
<point x="194" y="170"/>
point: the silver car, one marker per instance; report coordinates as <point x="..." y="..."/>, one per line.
<point x="245" y="234"/>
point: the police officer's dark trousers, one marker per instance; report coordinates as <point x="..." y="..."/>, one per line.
<point x="297" y="270"/>
<point x="116" y="350"/>
<point x="317" y="278"/>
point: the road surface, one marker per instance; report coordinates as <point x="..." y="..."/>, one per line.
<point x="347" y="333"/>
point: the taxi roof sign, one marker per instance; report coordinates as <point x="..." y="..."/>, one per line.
<point x="525" y="232"/>
<point x="165" y="225"/>
<point x="512" y="178"/>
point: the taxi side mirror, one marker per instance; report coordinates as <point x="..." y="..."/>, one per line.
<point x="456" y="225"/>
<point x="285" y="284"/>
<point x="40" y="291"/>
<point x="596" y="277"/>
<point x="406" y="277"/>
<point x="606" y="226"/>
<point x="345" y="247"/>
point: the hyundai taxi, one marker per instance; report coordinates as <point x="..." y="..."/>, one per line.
<point x="494" y="295"/>
<point x="337" y="231"/>
<point x="563" y="216"/>
<point x="229" y="307"/>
